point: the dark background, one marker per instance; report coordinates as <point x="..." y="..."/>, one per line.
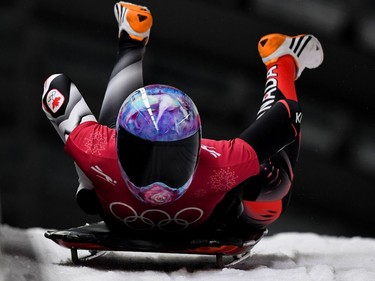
<point x="209" y="50"/>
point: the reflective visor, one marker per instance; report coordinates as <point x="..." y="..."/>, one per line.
<point x="146" y="162"/>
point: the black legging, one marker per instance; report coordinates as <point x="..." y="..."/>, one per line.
<point x="126" y="77"/>
<point x="275" y="130"/>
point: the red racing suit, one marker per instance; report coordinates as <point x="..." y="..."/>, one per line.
<point x="222" y="166"/>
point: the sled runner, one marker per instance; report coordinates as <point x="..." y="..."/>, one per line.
<point x="98" y="239"/>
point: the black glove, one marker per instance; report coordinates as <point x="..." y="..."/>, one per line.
<point x="88" y="201"/>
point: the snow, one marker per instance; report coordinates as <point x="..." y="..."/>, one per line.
<point x="27" y="255"/>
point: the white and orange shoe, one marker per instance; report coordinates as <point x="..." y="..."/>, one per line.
<point x="305" y="49"/>
<point x="135" y="20"/>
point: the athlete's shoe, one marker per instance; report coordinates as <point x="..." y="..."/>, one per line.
<point x="305" y="49"/>
<point x="134" y="20"/>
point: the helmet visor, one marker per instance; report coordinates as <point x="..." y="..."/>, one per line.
<point x="147" y="162"/>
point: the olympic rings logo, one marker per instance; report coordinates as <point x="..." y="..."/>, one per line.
<point x="155" y="218"/>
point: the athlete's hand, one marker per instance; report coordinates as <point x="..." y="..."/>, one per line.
<point x="88" y="201"/>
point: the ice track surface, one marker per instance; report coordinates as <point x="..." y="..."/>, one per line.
<point x="27" y="255"/>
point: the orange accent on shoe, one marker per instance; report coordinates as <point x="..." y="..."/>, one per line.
<point x="270" y="43"/>
<point x="138" y="17"/>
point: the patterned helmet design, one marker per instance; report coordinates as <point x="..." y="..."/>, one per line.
<point x="158" y="142"/>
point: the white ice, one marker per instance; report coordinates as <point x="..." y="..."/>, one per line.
<point x="27" y="255"/>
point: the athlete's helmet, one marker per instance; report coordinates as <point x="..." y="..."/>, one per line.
<point x="158" y="143"/>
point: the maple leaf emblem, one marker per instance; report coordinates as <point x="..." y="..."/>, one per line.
<point x="55" y="102"/>
<point x="223" y="179"/>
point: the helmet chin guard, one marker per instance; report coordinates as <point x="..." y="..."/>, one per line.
<point x="158" y="193"/>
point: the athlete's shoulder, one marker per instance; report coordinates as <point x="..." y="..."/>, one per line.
<point x="224" y="164"/>
<point x="235" y="145"/>
<point x="92" y="138"/>
<point x="91" y="128"/>
<point x="232" y="152"/>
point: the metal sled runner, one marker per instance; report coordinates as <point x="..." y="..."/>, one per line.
<point x="98" y="239"/>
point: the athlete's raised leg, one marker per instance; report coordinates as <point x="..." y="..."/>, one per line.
<point x="66" y="109"/>
<point x="275" y="135"/>
<point x="279" y="118"/>
<point x="134" y="25"/>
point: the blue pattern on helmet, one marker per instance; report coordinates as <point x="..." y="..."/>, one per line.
<point x="159" y="113"/>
